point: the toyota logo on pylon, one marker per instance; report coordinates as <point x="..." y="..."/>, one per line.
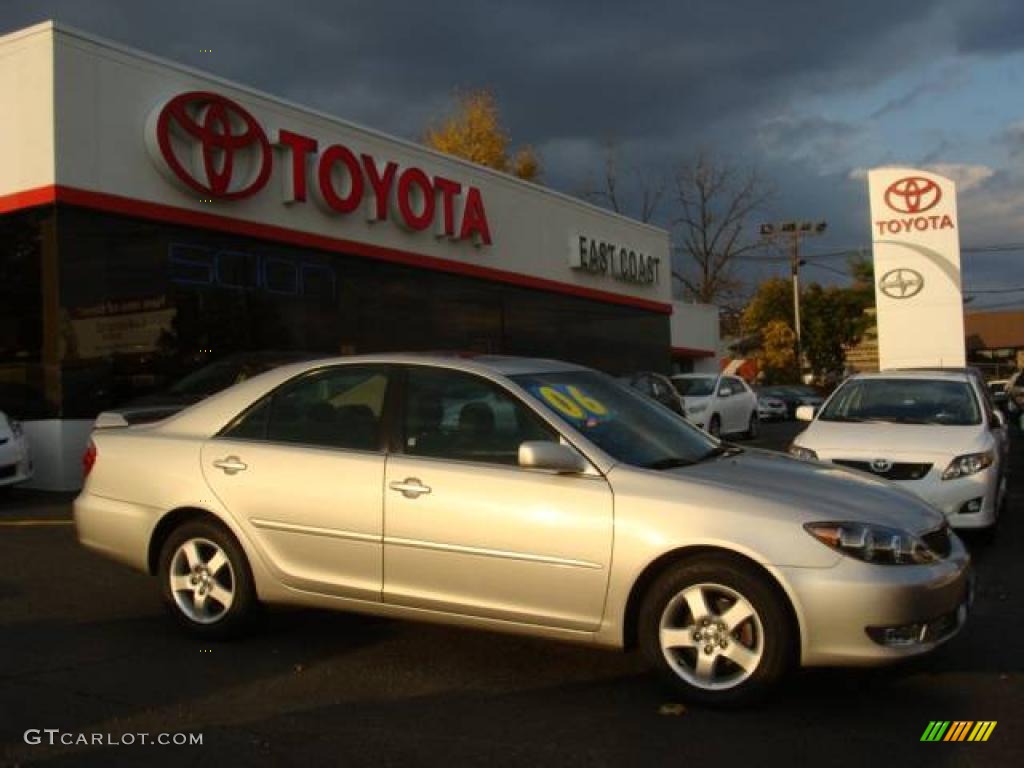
<point x="913" y="194"/>
<point x="211" y="145"/>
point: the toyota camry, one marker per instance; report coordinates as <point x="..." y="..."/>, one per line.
<point x="527" y="496"/>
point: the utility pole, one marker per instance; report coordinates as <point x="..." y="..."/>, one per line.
<point x="794" y="231"/>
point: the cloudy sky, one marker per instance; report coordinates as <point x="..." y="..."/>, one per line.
<point x="810" y="92"/>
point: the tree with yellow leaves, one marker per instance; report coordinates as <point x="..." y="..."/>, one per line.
<point x="473" y="131"/>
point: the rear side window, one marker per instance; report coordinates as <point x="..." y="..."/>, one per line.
<point x="336" y="408"/>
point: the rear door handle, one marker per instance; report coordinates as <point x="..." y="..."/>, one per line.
<point x="411" y="487"/>
<point x="231" y="465"/>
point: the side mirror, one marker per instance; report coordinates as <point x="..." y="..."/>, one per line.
<point x="805" y="413"/>
<point x="724" y="392"/>
<point x="541" y="454"/>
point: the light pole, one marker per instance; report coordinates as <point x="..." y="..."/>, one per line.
<point x="794" y="230"/>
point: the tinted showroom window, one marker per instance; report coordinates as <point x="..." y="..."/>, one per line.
<point x="455" y="415"/>
<point x="335" y="408"/>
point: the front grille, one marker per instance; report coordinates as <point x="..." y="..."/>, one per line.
<point x="896" y="471"/>
<point x="9" y="471"/>
<point x="938" y="541"/>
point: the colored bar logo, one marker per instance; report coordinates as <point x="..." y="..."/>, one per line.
<point x="958" y="730"/>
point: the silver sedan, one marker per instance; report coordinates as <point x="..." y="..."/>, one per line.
<point x="525" y="496"/>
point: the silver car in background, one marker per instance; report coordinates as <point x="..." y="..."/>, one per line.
<point x="526" y="496"/>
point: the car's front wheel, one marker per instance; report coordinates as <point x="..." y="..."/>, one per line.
<point x="205" y="579"/>
<point x="716" y="631"/>
<point x="753" y="425"/>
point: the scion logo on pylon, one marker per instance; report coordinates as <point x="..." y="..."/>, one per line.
<point x="913" y="194"/>
<point x="212" y="145"/>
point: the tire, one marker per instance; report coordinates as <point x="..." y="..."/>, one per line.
<point x="752" y="427"/>
<point x="763" y="643"/>
<point x="212" y="603"/>
<point x="715" y="426"/>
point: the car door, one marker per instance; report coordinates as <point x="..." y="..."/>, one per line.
<point x="469" y="531"/>
<point x="725" y="405"/>
<point x="745" y="402"/>
<point x="303" y="471"/>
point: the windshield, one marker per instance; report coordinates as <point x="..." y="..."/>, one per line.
<point x="904" y="401"/>
<point x="694" y="386"/>
<point x="624" y="424"/>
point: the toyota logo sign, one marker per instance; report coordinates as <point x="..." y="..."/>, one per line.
<point x="211" y="145"/>
<point x="913" y="194"/>
<point x="212" y="148"/>
<point x="901" y="283"/>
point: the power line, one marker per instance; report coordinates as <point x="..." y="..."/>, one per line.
<point x="997" y="290"/>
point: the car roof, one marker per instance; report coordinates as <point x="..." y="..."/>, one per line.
<point x="506" y="365"/>
<point x="695" y="375"/>
<point x="919" y="374"/>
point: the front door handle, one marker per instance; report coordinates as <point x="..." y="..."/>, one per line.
<point x="411" y="487"/>
<point x="231" y="465"/>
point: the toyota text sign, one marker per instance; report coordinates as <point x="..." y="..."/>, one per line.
<point x="213" y="148"/>
<point x="916" y="244"/>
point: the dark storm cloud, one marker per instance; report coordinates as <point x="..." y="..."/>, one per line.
<point x="660" y="79"/>
<point x="990" y="26"/>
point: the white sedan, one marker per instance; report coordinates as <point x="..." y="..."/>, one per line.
<point x="720" y="404"/>
<point x="15" y="460"/>
<point x="933" y="433"/>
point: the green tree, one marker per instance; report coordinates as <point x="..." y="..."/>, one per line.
<point x="833" y="319"/>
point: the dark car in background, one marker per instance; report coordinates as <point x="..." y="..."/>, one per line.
<point x="793" y="395"/>
<point x="196" y="386"/>
<point x="656" y="386"/>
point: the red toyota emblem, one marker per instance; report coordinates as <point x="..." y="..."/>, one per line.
<point x="913" y="194"/>
<point x="213" y="145"/>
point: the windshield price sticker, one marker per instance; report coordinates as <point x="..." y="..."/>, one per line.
<point x="574" y="404"/>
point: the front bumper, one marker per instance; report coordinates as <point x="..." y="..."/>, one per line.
<point x="840" y="608"/>
<point x="951" y="496"/>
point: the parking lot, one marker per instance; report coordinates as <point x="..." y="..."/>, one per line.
<point x="86" y="648"/>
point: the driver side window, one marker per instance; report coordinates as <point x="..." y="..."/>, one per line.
<point x="461" y="417"/>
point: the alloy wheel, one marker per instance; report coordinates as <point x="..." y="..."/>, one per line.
<point x="202" y="580"/>
<point x="711" y="636"/>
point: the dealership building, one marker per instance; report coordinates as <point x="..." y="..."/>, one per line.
<point x="154" y="218"/>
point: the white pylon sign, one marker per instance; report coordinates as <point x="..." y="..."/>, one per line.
<point x="915" y="238"/>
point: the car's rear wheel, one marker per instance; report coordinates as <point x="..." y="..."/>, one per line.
<point x="753" y="426"/>
<point x="205" y="579"/>
<point x="715" y="426"/>
<point x="716" y="631"/>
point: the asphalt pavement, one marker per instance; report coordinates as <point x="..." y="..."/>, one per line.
<point x="85" y="648"/>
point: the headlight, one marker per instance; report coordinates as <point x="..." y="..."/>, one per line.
<point x="696" y="408"/>
<point x="872" y="543"/>
<point x="968" y="464"/>
<point x="802" y="453"/>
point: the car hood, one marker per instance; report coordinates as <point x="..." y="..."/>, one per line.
<point x="813" y="491"/>
<point x="838" y="439"/>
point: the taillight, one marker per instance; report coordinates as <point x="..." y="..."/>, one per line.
<point x="88" y="459"/>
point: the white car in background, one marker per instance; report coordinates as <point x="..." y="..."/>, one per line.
<point x="931" y="432"/>
<point x="15" y="460"/>
<point x="719" y="404"/>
